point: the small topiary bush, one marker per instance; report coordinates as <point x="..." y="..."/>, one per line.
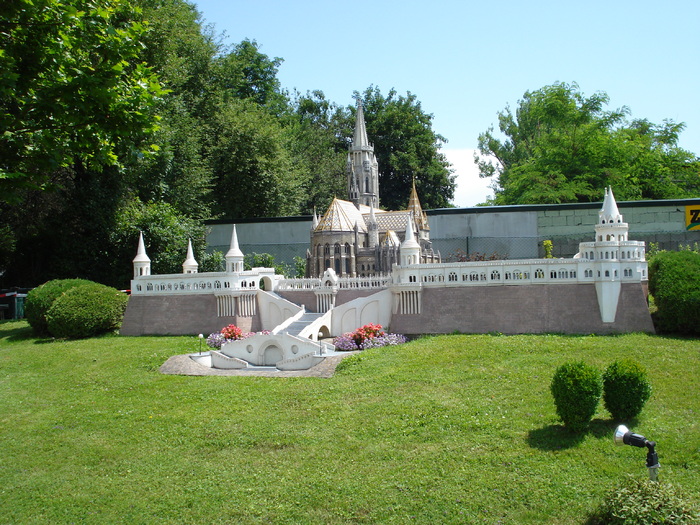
<point x="674" y="282"/>
<point x="626" y="389"/>
<point x="40" y="299"/>
<point x="86" y="311"/>
<point x="576" y="388"/>
<point x="644" y="502"/>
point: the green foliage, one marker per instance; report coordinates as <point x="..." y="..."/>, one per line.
<point x="406" y="148"/>
<point x="626" y="389"/>
<point x="644" y="502"/>
<point x="85" y="311"/>
<point x="299" y="267"/>
<point x="165" y="231"/>
<point x="561" y="146"/>
<point x="674" y="281"/>
<point x="576" y="388"/>
<point x="212" y="262"/>
<point x="73" y="89"/>
<point x="548" y="247"/>
<point x="265" y="260"/>
<point x="40" y="300"/>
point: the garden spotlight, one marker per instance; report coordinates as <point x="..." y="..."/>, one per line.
<point x="201" y="336"/>
<point x="624" y="436"/>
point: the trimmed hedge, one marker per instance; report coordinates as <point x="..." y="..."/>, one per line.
<point x="626" y="389"/>
<point x="576" y="388"/>
<point x="674" y="282"/>
<point x="86" y="311"/>
<point x="40" y="299"/>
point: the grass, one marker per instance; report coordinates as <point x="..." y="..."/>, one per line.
<point x="449" y="429"/>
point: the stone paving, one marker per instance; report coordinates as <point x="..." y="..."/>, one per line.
<point x="185" y="365"/>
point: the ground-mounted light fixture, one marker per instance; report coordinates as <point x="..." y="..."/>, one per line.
<point x="624" y="436"/>
<point x="201" y="336"/>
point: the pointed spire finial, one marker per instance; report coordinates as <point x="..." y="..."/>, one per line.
<point x="234" y="250"/>
<point x="359" y="139"/>
<point x="141" y="251"/>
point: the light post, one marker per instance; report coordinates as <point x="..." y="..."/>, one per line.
<point x="201" y="336"/>
<point x="624" y="436"/>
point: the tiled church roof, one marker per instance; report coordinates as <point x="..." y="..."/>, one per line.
<point x="341" y="216"/>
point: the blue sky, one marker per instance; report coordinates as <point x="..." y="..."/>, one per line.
<point x="466" y="60"/>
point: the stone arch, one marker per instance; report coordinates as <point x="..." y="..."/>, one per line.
<point x="266" y="283"/>
<point x="271" y="355"/>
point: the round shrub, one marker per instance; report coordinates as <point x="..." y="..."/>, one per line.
<point x="644" y="502"/>
<point x="40" y="299"/>
<point x="626" y="389"/>
<point x="87" y="310"/>
<point x="674" y="282"/>
<point x="576" y="388"/>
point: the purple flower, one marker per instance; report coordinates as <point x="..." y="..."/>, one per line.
<point x="215" y="340"/>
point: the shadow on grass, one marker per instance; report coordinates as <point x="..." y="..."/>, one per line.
<point x="558" y="437"/>
<point x="554" y="437"/>
<point x="20" y="332"/>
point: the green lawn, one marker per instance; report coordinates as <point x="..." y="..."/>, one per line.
<point x="450" y="429"/>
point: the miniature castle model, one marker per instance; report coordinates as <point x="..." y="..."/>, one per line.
<point x="360" y="270"/>
<point x="356" y="238"/>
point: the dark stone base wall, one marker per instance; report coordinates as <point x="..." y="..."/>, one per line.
<point x="178" y="315"/>
<point x="570" y="309"/>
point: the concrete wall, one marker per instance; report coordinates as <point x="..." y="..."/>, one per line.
<point x="515" y="232"/>
<point x="565" y="308"/>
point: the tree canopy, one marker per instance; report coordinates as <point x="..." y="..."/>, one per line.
<point x="407" y="149"/>
<point x="73" y="89"/>
<point x="561" y="146"/>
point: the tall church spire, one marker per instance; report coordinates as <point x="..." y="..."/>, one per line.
<point x="362" y="170"/>
<point x="359" y="140"/>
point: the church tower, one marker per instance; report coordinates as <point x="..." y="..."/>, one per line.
<point x="362" y="169"/>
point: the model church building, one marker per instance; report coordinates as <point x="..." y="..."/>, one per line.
<point x="355" y="237"/>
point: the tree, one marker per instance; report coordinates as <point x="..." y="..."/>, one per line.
<point x="73" y="89"/>
<point x="318" y="132"/>
<point x="254" y="173"/>
<point x="407" y="149"/>
<point x="561" y="146"/>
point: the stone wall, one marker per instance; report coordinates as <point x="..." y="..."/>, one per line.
<point x="178" y="315"/>
<point x="564" y="308"/>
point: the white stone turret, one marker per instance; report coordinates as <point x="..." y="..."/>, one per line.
<point x="190" y="265"/>
<point x="610" y="225"/>
<point x="234" y="256"/>
<point x="410" y="249"/>
<point x="142" y="264"/>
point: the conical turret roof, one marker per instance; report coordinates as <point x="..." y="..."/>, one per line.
<point x="609" y="213"/>
<point x="141" y="256"/>
<point x="234" y="250"/>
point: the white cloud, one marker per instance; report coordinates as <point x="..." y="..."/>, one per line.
<point x="471" y="190"/>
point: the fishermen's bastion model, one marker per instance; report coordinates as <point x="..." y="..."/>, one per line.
<point x="361" y="270"/>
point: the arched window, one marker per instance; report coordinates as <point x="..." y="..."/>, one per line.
<point x="495" y="275"/>
<point x="539" y="273"/>
<point x="452" y="277"/>
<point x="473" y="276"/>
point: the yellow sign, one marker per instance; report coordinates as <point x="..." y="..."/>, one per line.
<point x="692" y="217"/>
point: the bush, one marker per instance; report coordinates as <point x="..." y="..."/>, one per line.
<point x="40" y="299"/>
<point x="576" y="388"/>
<point x="625" y="389"/>
<point x="644" y="502"/>
<point x="87" y="310"/>
<point x="674" y="282"/>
